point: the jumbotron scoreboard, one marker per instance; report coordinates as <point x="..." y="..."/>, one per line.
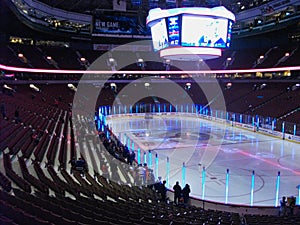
<point x="190" y="33"/>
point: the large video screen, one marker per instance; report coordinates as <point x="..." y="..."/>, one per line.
<point x="159" y="35"/>
<point x="203" y="31"/>
<point x="174" y="30"/>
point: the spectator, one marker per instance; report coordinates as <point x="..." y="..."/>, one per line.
<point x="114" y="170"/>
<point x="73" y="163"/>
<point x="35" y="137"/>
<point x="282" y="210"/>
<point x="186" y="194"/>
<point x="147" y="171"/>
<point x="132" y="171"/>
<point x="156" y="185"/>
<point x="80" y="166"/>
<point x="131" y="158"/>
<point x="292" y="204"/>
<point x="177" y="192"/>
<point x="150" y="177"/>
<point x="104" y="169"/>
<point x="125" y="152"/>
<point x="142" y="174"/>
<point x="163" y="191"/>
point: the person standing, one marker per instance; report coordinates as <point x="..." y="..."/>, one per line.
<point x="73" y="163"/>
<point x="186" y="194"/>
<point x="131" y="158"/>
<point x="282" y="210"/>
<point x="177" y="192"/>
<point x="163" y="191"/>
<point x="292" y="204"/>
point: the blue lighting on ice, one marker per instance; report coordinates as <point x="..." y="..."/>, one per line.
<point x="226" y="186"/>
<point x="277" y="189"/>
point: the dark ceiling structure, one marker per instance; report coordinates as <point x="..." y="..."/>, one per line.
<point x="95" y="6"/>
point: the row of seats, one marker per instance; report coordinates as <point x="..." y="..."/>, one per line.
<point x="41" y="208"/>
<point x="67" y="58"/>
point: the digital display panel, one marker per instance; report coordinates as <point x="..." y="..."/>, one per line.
<point x="174" y="30"/>
<point x="230" y="23"/>
<point x="115" y="24"/>
<point x="159" y="35"/>
<point x="201" y="31"/>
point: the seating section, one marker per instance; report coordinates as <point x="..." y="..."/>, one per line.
<point x="65" y="58"/>
<point x="34" y="56"/>
<point x="273" y="56"/>
<point x="246" y="58"/>
<point x="40" y="207"/>
<point x="5" y="183"/>
<point x="69" y="58"/>
<point x="254" y="98"/>
<point x="293" y="59"/>
<point x="9" y="57"/>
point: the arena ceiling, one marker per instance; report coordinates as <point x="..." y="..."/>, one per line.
<point x="94" y="6"/>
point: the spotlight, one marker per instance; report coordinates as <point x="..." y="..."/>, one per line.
<point x="33" y="87"/>
<point x="188" y="86"/>
<point x="8" y="88"/>
<point x="113" y="86"/>
<point x="72" y="87"/>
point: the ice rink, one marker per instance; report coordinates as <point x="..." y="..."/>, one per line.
<point x="202" y="143"/>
